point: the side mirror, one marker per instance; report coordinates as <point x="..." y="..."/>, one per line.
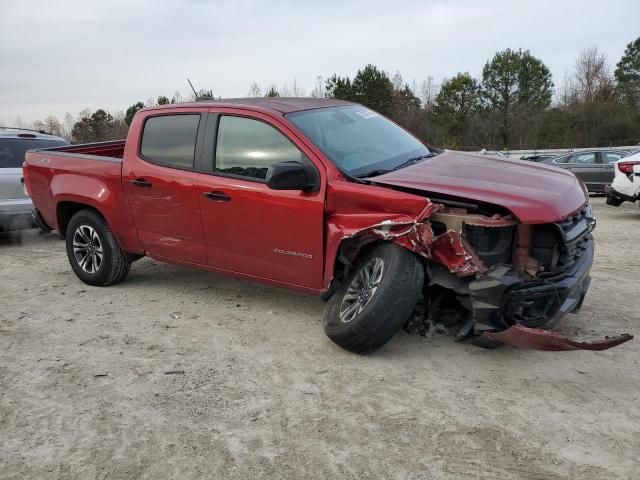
<point x="289" y="175"/>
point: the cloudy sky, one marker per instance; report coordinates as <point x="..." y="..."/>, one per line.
<point x="64" y="56"/>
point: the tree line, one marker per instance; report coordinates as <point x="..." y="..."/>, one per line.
<point x="514" y="104"/>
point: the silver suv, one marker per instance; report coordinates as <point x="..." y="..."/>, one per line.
<point x="15" y="206"/>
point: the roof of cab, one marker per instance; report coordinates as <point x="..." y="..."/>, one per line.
<point x="276" y="104"/>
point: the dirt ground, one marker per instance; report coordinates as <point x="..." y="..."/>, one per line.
<point x="262" y="393"/>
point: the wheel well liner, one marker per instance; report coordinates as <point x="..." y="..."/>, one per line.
<point x="65" y="210"/>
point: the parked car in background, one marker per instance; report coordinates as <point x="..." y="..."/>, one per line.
<point x="15" y="205"/>
<point x="626" y="183"/>
<point x="593" y="167"/>
<point x="538" y="157"/>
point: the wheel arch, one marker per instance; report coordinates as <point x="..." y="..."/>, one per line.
<point x="347" y="251"/>
<point x="66" y="209"/>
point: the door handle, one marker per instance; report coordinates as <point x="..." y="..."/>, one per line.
<point x="141" y="182"/>
<point x="217" y="196"/>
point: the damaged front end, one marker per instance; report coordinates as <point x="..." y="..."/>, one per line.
<point x="493" y="280"/>
<point x="534" y="275"/>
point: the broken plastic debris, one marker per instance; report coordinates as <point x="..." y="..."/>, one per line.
<point x="546" y="340"/>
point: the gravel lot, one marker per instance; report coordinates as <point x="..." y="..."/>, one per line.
<point x="261" y="392"/>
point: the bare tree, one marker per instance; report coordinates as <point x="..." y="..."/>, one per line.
<point x="67" y="126"/>
<point x="19" y="123"/>
<point x="397" y="81"/>
<point x="254" y="90"/>
<point x="284" y="90"/>
<point x="119" y="127"/>
<point x="177" y="97"/>
<point x="50" y="125"/>
<point x="318" y="89"/>
<point x="296" y="90"/>
<point x="428" y="92"/>
<point x="566" y="93"/>
<point x="592" y="80"/>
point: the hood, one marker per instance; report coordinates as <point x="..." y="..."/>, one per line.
<point x="534" y="193"/>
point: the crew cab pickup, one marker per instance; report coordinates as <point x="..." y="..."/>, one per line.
<point x="331" y="198"/>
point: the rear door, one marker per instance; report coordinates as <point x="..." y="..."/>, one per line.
<point x="160" y="181"/>
<point x="248" y="227"/>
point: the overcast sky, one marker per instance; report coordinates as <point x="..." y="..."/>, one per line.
<point x="64" y="56"/>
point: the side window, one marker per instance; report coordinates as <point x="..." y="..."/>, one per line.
<point x="249" y="147"/>
<point x="170" y="140"/>
<point x="583" y="158"/>
<point x="611" y="157"/>
<point x="562" y="159"/>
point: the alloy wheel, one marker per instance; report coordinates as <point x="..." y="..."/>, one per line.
<point x="87" y="248"/>
<point x="361" y="289"/>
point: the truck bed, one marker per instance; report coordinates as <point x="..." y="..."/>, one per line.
<point x="113" y="150"/>
<point x="90" y="174"/>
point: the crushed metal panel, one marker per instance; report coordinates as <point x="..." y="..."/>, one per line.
<point x="546" y="340"/>
<point x="415" y="233"/>
<point x="454" y="252"/>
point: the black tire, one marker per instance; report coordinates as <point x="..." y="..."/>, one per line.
<point x="114" y="264"/>
<point x="386" y="310"/>
<point x="486" y="342"/>
<point x="614" y="201"/>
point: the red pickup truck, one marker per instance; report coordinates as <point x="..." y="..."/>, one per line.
<point x="331" y="198"/>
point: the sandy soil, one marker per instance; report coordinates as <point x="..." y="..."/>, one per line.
<point x="85" y="393"/>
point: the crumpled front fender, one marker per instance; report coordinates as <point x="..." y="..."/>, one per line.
<point x="546" y="340"/>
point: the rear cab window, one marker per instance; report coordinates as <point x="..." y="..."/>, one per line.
<point x="170" y="140"/>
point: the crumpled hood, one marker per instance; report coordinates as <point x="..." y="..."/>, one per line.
<point x="533" y="192"/>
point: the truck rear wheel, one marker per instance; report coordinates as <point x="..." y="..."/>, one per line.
<point x="94" y="254"/>
<point x="375" y="300"/>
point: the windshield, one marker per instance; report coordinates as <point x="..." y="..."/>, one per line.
<point x="359" y="141"/>
<point x="12" y="150"/>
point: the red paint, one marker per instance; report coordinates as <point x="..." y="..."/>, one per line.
<point x="533" y="192"/>
<point x="173" y="221"/>
<point x="55" y="179"/>
<point x="256" y="225"/>
<point x="452" y="251"/>
<point x="113" y="149"/>
<point x="537" y="339"/>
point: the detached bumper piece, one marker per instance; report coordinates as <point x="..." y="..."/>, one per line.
<point x="537" y="339"/>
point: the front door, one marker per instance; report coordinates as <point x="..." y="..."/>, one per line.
<point x="249" y="228"/>
<point x="160" y="183"/>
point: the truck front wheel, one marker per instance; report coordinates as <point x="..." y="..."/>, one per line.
<point x="375" y="300"/>
<point x="93" y="252"/>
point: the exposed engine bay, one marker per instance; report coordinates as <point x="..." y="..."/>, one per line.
<point x="491" y="279"/>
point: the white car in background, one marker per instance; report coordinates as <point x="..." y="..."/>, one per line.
<point x="626" y="183"/>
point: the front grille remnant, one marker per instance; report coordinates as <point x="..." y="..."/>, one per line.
<point x="558" y="246"/>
